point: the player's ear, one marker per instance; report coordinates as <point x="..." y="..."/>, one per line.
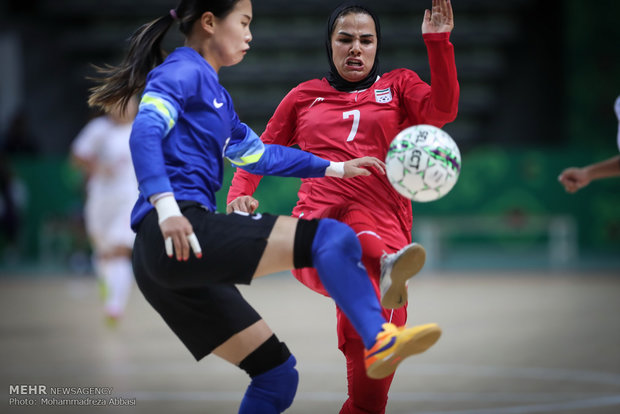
<point x="207" y="22"/>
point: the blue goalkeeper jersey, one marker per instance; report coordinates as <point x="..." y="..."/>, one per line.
<point x="185" y="127"/>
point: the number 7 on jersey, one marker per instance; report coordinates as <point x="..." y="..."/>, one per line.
<point x="356" y="122"/>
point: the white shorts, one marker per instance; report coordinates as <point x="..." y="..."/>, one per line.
<point x="108" y="223"/>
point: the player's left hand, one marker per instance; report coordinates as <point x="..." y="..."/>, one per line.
<point x="359" y="166"/>
<point x="246" y="204"/>
<point x="439" y="19"/>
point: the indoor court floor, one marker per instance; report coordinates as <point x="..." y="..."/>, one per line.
<point x="513" y="343"/>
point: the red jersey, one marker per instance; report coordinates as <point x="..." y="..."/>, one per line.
<point x="339" y="126"/>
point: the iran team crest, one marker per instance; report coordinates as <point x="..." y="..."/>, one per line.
<point x="383" y="95"/>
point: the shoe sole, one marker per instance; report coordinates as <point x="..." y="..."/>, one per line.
<point x="425" y="337"/>
<point x="407" y="266"/>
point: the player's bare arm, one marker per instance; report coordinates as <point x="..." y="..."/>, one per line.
<point x="574" y="178"/>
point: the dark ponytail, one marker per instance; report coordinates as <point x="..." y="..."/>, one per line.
<point x="118" y="84"/>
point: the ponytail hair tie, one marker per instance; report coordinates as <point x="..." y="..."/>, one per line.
<point x="173" y="13"/>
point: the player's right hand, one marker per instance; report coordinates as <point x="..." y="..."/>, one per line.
<point x="439" y="19"/>
<point x="179" y="237"/>
<point x="177" y="230"/>
<point x="245" y="204"/>
<point x="573" y="179"/>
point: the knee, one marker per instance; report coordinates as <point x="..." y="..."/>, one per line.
<point x="274" y="378"/>
<point x="277" y="386"/>
<point x="337" y="237"/>
<point x="324" y="240"/>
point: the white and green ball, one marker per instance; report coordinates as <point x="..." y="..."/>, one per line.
<point x="423" y="163"/>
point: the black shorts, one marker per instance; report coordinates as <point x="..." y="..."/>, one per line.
<point x="197" y="298"/>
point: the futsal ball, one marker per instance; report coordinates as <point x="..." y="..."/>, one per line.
<point x="423" y="163"/>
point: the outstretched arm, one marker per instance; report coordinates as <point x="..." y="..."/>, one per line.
<point x="255" y="157"/>
<point x="346" y="169"/>
<point x="435" y="103"/>
<point x="251" y="154"/>
<point x="439" y="19"/>
<point x="575" y="178"/>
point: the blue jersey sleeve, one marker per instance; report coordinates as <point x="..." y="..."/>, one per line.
<point x="251" y="154"/>
<point x="145" y="142"/>
<point x="157" y="115"/>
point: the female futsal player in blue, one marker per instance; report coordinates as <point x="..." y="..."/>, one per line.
<point x="185" y="127"/>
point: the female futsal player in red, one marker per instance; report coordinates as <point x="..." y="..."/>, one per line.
<point x="355" y="111"/>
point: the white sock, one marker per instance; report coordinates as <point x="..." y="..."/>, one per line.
<point x="117" y="274"/>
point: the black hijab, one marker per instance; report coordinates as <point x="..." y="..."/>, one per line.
<point x="333" y="77"/>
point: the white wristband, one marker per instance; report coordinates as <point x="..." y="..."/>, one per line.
<point x="335" y="169"/>
<point x="153" y="199"/>
<point x="167" y="207"/>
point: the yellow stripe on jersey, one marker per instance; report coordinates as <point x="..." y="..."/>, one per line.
<point x="161" y="106"/>
<point x="248" y="151"/>
<point x="248" y="159"/>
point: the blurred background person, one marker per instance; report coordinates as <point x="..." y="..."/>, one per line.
<point x="101" y="151"/>
<point x="354" y="111"/>
<point x="575" y="178"/>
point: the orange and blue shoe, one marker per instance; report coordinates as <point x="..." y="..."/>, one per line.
<point x="396" y="270"/>
<point x="394" y="344"/>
